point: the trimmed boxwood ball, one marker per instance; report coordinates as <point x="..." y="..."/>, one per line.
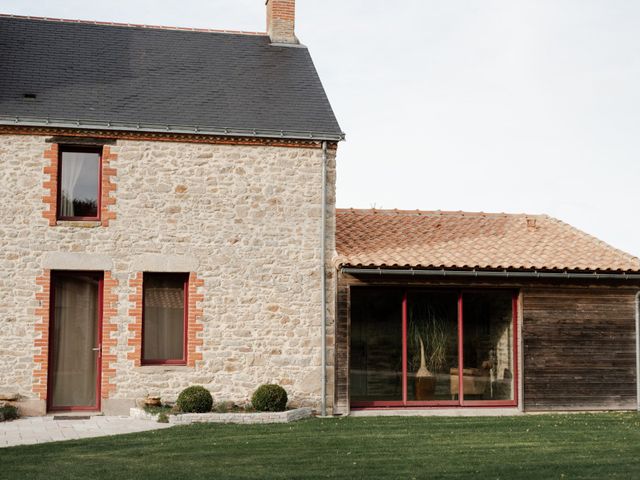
<point x="8" y="412"/>
<point x="269" y="398"/>
<point x="195" y="399"/>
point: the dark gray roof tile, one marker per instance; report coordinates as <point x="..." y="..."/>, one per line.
<point x="120" y="74"/>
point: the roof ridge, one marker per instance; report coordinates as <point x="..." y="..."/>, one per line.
<point x="131" y="25"/>
<point x="418" y="212"/>
<point x="602" y="243"/>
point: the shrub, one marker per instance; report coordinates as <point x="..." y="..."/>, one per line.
<point x="224" y="407"/>
<point x="195" y="399"/>
<point x="232" y="407"/>
<point x="157" y="409"/>
<point x="8" y="412"/>
<point x="163" y="417"/>
<point x="269" y="398"/>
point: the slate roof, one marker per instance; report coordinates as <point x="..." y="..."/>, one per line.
<point x="435" y="239"/>
<point x="159" y="79"/>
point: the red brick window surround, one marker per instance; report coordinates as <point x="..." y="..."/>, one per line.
<point x="135" y="327"/>
<point x="195" y="326"/>
<point x="191" y="334"/>
<point x="109" y="330"/>
<point x="57" y="212"/>
<point x="41" y="341"/>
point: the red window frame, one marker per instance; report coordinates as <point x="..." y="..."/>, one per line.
<point x="172" y="361"/>
<point x="78" y="148"/>
<point x="460" y="402"/>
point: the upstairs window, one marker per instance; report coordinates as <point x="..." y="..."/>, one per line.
<point x="164" y="318"/>
<point x="79" y="183"/>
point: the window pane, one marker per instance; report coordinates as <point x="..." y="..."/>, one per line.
<point x="432" y="346"/>
<point x="74" y="366"/>
<point x="164" y="312"/>
<point x="376" y="345"/>
<point x="80" y="175"/>
<point x="488" y="346"/>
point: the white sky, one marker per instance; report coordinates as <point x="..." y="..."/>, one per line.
<point x="482" y="105"/>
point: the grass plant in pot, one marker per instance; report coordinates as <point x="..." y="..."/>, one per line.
<point x="428" y="343"/>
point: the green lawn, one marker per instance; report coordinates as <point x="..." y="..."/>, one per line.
<point x="537" y="447"/>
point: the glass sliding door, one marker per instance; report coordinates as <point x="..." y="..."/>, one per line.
<point x="488" y="346"/>
<point x="412" y="347"/>
<point x="74" y="341"/>
<point x="432" y="345"/>
<point x="376" y="346"/>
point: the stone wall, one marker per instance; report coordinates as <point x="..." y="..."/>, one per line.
<point x="245" y="220"/>
<point x="252" y="418"/>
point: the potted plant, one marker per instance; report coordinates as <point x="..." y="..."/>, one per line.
<point x="152" y="401"/>
<point x="429" y="346"/>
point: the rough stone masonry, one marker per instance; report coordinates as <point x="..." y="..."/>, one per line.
<point x="245" y="220"/>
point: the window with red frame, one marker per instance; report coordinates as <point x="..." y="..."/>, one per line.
<point x="164" y="318"/>
<point x="413" y="347"/>
<point x="79" y="172"/>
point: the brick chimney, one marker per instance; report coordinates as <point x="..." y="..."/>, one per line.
<point x="281" y="20"/>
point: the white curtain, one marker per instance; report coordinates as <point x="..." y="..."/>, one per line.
<point x="71" y="168"/>
<point x="163" y="317"/>
<point x="74" y="368"/>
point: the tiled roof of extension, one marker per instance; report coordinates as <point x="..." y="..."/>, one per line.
<point x="83" y="74"/>
<point x="461" y="240"/>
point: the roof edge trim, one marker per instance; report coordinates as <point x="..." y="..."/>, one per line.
<point x="175" y="129"/>
<point x="490" y="273"/>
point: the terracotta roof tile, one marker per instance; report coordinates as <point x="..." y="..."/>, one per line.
<point x="430" y="239"/>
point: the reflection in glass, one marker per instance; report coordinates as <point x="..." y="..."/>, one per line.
<point x="376" y="345"/>
<point x="432" y="339"/>
<point x="433" y="342"/>
<point x="164" y="311"/>
<point x="488" y="346"/>
<point x="79" y="177"/>
<point x="74" y="366"/>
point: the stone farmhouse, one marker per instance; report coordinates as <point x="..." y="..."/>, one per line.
<point x="169" y="220"/>
<point x="172" y="175"/>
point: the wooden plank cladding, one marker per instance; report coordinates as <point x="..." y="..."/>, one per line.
<point x="579" y="348"/>
<point x="341" y="380"/>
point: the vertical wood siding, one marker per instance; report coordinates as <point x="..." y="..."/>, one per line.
<point x="341" y="400"/>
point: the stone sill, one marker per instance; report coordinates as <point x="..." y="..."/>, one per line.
<point x="237" y="418"/>
<point x="9" y="396"/>
<point x="79" y="223"/>
<point x="150" y="369"/>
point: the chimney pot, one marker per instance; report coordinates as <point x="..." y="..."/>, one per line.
<point x="281" y="20"/>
